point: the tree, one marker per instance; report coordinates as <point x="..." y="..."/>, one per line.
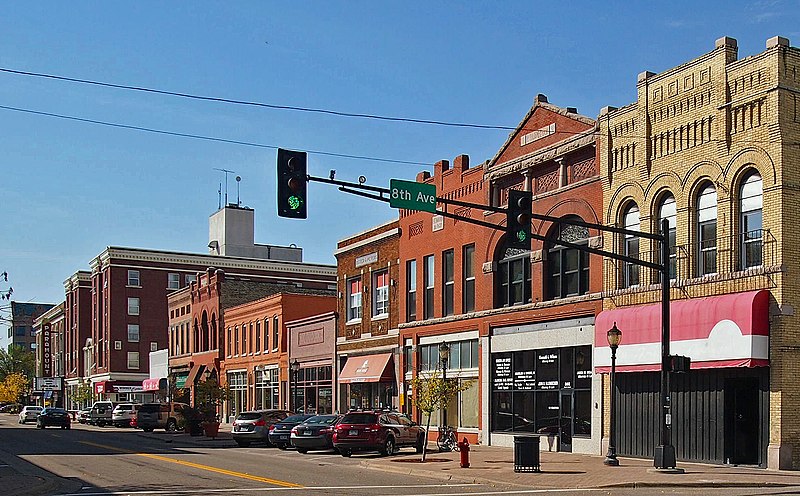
<point x="17" y="359"/>
<point x="13" y="387"/>
<point x="82" y="395"/>
<point x="432" y="393"/>
<point x="208" y="398"/>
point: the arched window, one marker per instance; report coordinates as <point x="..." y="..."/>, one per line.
<point x="567" y="268"/>
<point x="630" y="246"/>
<point x="513" y="277"/>
<point x="750" y="221"/>
<point x="667" y="211"/>
<point x="204" y="332"/>
<point x="707" y="231"/>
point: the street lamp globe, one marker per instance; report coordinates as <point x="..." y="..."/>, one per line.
<point x="614" y="337"/>
<point x="444" y="352"/>
<point x="294" y="366"/>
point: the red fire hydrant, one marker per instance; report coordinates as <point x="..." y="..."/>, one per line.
<point x="463" y="447"/>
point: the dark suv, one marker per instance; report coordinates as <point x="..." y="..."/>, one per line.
<point x="377" y="431"/>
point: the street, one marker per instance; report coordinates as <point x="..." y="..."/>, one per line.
<point x="88" y="460"/>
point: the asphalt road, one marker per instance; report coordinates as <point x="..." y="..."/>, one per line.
<point x="90" y="461"/>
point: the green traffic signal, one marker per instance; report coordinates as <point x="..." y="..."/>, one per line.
<point x="295" y="202"/>
<point x="518" y="219"/>
<point x="292" y="184"/>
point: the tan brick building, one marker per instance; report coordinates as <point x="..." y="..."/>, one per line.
<point x="710" y="146"/>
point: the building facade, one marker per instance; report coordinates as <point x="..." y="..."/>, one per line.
<point x="367" y="336"/>
<point x="710" y="147"/>
<point x="78" y="343"/>
<point x="20" y="328"/>
<point x="312" y="362"/>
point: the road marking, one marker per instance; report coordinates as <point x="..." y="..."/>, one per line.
<point x="207" y="468"/>
<point x="270" y="489"/>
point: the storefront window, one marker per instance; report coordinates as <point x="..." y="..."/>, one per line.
<point x="267" y="389"/>
<point x="237" y="381"/>
<point x="547" y="391"/>
<point x="315" y="390"/>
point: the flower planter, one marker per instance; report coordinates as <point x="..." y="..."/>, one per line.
<point x="211" y="429"/>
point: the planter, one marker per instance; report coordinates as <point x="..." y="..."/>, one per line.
<point x="211" y="429"/>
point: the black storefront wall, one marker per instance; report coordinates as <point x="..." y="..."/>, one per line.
<point x="719" y="415"/>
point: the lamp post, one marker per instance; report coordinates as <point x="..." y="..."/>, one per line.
<point x="294" y="366"/>
<point x="614" y="337"/>
<point x="444" y="355"/>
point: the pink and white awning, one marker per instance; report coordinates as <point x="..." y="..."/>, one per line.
<point x="720" y="331"/>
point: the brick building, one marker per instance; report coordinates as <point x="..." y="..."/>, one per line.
<point x="367" y="335"/>
<point x="77" y="333"/>
<point x="49" y="330"/>
<point x="20" y="327"/>
<point x="710" y="146"/>
<point x="519" y="325"/>
<point x="312" y="351"/>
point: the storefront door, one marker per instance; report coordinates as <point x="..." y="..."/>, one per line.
<point x="565" y="422"/>
<point x="741" y="421"/>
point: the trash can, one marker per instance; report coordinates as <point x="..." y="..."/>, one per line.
<point x="526" y="454"/>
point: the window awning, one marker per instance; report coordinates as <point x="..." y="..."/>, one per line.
<point x="196" y="368"/>
<point x="721" y="331"/>
<point x="154" y="384"/>
<point x="366" y="368"/>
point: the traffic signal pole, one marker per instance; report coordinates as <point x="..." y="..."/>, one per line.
<point x="664" y="457"/>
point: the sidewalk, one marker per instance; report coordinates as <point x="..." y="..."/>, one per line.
<point x="490" y="464"/>
<point x="223" y="439"/>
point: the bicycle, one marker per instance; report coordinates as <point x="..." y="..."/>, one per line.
<point x="447" y="440"/>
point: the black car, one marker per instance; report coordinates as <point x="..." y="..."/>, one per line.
<point x="316" y="433"/>
<point x="279" y="433"/>
<point x="53" y="417"/>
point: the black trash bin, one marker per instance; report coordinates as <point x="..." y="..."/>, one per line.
<point x="526" y="454"/>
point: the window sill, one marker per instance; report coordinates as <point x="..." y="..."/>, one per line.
<point x="353" y="322"/>
<point x="380" y="316"/>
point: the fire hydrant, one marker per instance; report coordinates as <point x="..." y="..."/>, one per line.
<point x="463" y="447"/>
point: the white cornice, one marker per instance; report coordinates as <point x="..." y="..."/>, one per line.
<point x="367" y="241"/>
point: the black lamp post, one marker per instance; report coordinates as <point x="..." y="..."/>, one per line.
<point x="614" y="337"/>
<point x="444" y="355"/>
<point x="294" y="366"/>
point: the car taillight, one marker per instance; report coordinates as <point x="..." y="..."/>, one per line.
<point x="294" y="430"/>
<point x="260" y="423"/>
<point x="324" y="430"/>
<point x="272" y="428"/>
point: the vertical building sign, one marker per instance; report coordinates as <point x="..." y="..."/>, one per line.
<point x="47" y="370"/>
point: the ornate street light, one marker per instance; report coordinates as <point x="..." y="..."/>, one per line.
<point x="294" y="366"/>
<point x="614" y="337"/>
<point x="444" y="356"/>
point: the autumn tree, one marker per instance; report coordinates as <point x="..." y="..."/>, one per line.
<point x="13" y="387"/>
<point x="431" y="393"/>
<point x="17" y="359"/>
<point x="82" y="395"/>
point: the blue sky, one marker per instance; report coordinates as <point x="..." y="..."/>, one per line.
<point x="69" y="189"/>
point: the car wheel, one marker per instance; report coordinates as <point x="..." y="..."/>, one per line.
<point x="345" y="453"/>
<point x="100" y="423"/>
<point x="147" y="429"/>
<point x="388" y="446"/>
<point x="68" y="427"/>
<point x="420" y="443"/>
<point x="283" y="447"/>
<point x="40" y="426"/>
<point x="302" y="450"/>
<point x="243" y="444"/>
<point x="172" y="426"/>
<point x="63" y="427"/>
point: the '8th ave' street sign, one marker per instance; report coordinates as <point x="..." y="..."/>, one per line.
<point x="412" y="195"/>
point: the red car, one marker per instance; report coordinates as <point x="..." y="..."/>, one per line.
<point x="385" y="432"/>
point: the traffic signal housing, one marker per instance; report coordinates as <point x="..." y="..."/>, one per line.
<point x="292" y="184"/>
<point x="518" y="221"/>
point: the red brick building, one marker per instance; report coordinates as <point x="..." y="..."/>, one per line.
<point x="517" y="323"/>
<point x="367" y="335"/>
<point x="77" y="333"/>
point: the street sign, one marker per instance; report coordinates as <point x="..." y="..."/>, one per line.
<point x="412" y="195"/>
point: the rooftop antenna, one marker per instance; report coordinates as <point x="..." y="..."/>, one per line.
<point x="238" y="180"/>
<point x="226" y="171"/>
<point x="219" y="199"/>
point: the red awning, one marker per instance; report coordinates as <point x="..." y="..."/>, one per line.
<point x="102" y="387"/>
<point x="721" y="331"/>
<point x="151" y="384"/>
<point x="367" y="368"/>
<point x="196" y="368"/>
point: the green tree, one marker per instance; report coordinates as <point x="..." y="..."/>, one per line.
<point x="208" y="398"/>
<point x="17" y="359"/>
<point x="432" y="393"/>
<point x="82" y="395"/>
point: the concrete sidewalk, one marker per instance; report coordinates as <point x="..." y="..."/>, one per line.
<point x="495" y="465"/>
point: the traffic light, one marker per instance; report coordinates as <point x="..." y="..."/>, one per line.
<point x="292" y="184"/>
<point x="518" y="221"/>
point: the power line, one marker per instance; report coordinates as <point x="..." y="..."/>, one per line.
<point x="201" y="137"/>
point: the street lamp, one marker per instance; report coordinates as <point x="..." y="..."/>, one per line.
<point x="294" y="366"/>
<point x="614" y="337"/>
<point x="444" y="355"/>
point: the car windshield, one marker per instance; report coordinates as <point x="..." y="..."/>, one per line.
<point x="150" y="408"/>
<point x="322" y="419"/>
<point x="360" y="418"/>
<point x="249" y="416"/>
<point x="33" y="408"/>
<point x="54" y="410"/>
<point x="296" y="418"/>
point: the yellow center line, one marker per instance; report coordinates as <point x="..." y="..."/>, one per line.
<point x="196" y="465"/>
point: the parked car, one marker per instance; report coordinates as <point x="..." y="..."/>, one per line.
<point x="377" y="431"/>
<point x="83" y="415"/>
<point x="279" y="433"/>
<point x="11" y="408"/>
<point x="100" y="414"/>
<point x="123" y="413"/>
<point x="165" y="416"/>
<point x="316" y="433"/>
<point x="253" y="427"/>
<point x="29" y="413"/>
<point x="53" y="417"/>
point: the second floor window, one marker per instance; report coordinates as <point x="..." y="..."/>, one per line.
<point x="174" y="281"/>
<point x="668" y="212"/>
<point x="751" y="222"/>
<point x="258" y="336"/>
<point x="380" y="293"/>
<point x="429" y="278"/>
<point x="276" y="334"/>
<point x="133" y="278"/>
<point x="568" y="268"/>
<point x="133" y="333"/>
<point x="514" y="278"/>
<point x="449" y="283"/>
<point x="133" y="306"/>
<point x="707" y="231"/>
<point x="411" y="291"/>
<point x="133" y="359"/>
<point x="354" y="299"/>
<point x="468" y="269"/>
<point x="630" y="246"/>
